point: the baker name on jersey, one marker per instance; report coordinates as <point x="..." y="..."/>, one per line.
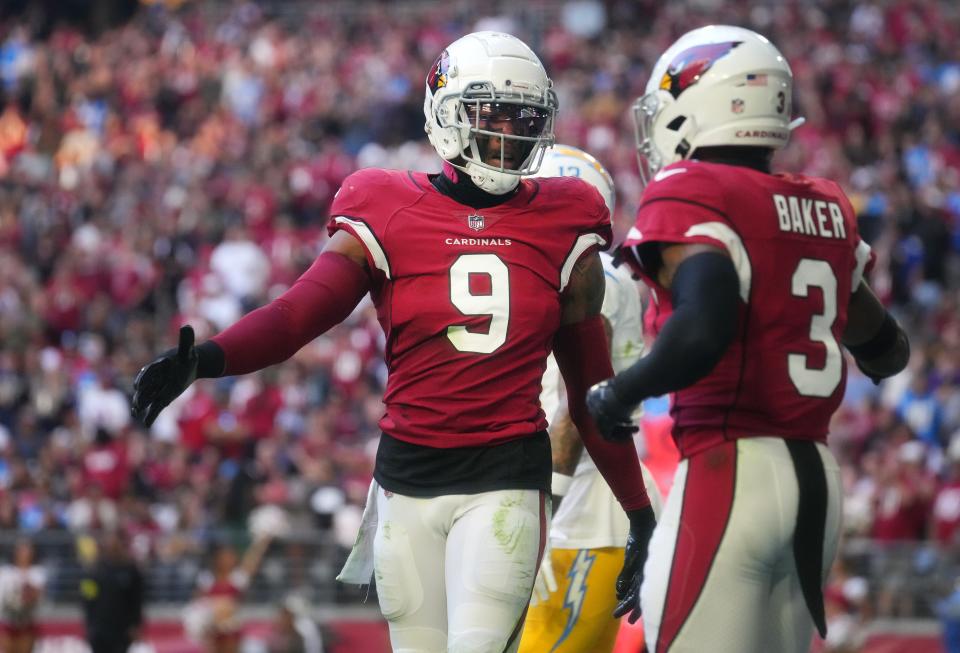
<point x="809" y="217"/>
<point x="483" y="242"/>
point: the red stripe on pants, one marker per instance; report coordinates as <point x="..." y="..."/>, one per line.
<point x="707" y="503"/>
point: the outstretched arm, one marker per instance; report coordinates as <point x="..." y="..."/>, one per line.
<point x="321" y="298"/>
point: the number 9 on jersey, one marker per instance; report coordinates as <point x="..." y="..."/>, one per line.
<point x="496" y="304"/>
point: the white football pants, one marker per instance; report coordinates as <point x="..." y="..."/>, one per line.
<point x="454" y="573"/>
<point x="721" y="574"/>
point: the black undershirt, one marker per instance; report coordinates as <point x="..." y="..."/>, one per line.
<point x="757" y="158"/>
<point x="419" y="471"/>
<point x="463" y="190"/>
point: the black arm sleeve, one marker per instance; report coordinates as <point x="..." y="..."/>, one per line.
<point x="705" y="295"/>
<point x="886" y="353"/>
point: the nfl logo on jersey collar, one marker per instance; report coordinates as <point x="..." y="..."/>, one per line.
<point x="475" y="221"/>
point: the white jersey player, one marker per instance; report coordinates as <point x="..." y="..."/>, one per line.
<point x="573" y="602"/>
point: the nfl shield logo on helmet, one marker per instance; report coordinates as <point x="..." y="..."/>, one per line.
<point x="475" y="222"/>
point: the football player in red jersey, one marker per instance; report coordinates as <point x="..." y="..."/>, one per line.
<point x="476" y="275"/>
<point x="758" y="280"/>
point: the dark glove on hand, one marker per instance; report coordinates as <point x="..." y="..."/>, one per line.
<point x="163" y="380"/>
<point x="642" y="523"/>
<point x="614" y="419"/>
<point x="865" y="368"/>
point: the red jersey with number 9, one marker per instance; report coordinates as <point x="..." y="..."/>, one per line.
<point x="469" y="299"/>
<point x="794" y="243"/>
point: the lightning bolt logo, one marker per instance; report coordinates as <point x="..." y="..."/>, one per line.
<point x="576" y="591"/>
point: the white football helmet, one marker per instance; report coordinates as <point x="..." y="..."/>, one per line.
<point x="717" y="85"/>
<point x="569" y="161"/>
<point x="489" y="109"/>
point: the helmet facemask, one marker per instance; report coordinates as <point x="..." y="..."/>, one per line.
<point x="500" y="135"/>
<point x="645" y="111"/>
<point x="674" y="137"/>
<point x="489" y="109"/>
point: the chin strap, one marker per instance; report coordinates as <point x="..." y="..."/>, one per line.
<point x="462" y="189"/>
<point x="490" y="182"/>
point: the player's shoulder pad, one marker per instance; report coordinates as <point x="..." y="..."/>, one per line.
<point x="572" y="197"/>
<point x="369" y="186"/>
<point x="689" y="181"/>
<point x="834" y="191"/>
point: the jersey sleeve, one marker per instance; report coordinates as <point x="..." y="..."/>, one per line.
<point x="553" y="393"/>
<point x="685" y="204"/>
<point x="590" y="226"/>
<point x="864" y="258"/>
<point x="611" y="299"/>
<point x="624" y="313"/>
<point x="681" y="205"/>
<point x="613" y="293"/>
<point x="355" y="211"/>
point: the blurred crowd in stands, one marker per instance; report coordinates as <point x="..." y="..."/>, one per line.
<point x="179" y="168"/>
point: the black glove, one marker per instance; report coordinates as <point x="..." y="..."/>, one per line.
<point x="614" y="418"/>
<point x="642" y="523"/>
<point x="165" y="378"/>
<point x="867" y="372"/>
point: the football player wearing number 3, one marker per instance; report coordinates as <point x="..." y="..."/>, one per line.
<point x="476" y="275"/>
<point x="759" y="280"/>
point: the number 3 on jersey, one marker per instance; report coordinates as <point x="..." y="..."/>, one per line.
<point x="495" y="304"/>
<point x="817" y="382"/>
